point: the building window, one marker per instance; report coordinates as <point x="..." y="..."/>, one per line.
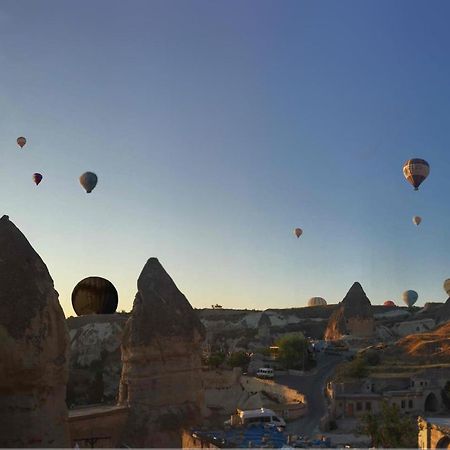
<point x="403" y="404"/>
<point x="368" y="406"/>
<point x="358" y="406"/>
<point x="410" y="404"/>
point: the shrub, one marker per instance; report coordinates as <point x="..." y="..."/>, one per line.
<point x="372" y="357"/>
<point x="238" y="359"/>
<point x="389" y="428"/>
<point x="215" y="359"/>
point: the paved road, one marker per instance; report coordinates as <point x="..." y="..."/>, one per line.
<point x="312" y="386"/>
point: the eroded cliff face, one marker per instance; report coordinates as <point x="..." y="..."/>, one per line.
<point x="161" y="356"/>
<point x="95" y="359"/>
<point x="354" y="316"/>
<point x="33" y="348"/>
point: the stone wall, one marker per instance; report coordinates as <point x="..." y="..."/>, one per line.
<point x="433" y="433"/>
<point x="98" y="426"/>
<point x="95" y="358"/>
<point x="361" y="327"/>
<point x="225" y="391"/>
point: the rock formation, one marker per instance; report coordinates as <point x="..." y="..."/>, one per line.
<point x="354" y="316"/>
<point x="443" y="314"/>
<point x="33" y="348"/>
<point x="95" y="358"/>
<point x="161" y="356"/>
<point x="264" y="329"/>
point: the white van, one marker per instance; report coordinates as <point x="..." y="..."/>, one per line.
<point x="265" y="372"/>
<point x="263" y="415"/>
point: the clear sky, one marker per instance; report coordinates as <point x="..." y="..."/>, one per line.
<point x="215" y="128"/>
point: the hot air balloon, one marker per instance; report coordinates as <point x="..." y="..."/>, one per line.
<point x="88" y="180"/>
<point x="298" y="232"/>
<point x="447" y="286"/>
<point x="37" y="178"/>
<point x="389" y="303"/>
<point x="410" y="297"/>
<point x="21" y="141"/>
<point x="94" y="295"/>
<point x="317" y="301"/>
<point x="416" y="220"/>
<point x="415" y="171"/>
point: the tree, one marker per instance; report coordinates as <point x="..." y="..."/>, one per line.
<point x="293" y="351"/>
<point x="238" y="359"/>
<point x="215" y="359"/>
<point x="390" y="428"/>
<point x="357" y="368"/>
<point x="372" y="357"/>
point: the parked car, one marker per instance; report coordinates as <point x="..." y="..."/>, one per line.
<point x="265" y="372"/>
<point x="263" y="415"/>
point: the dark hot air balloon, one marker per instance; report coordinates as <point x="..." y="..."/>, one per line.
<point x="415" y="171"/>
<point x="298" y="232"/>
<point x="94" y="295"/>
<point x="21" y="141"/>
<point x="88" y="180"/>
<point x="37" y="178"/>
<point x="417" y="220"/>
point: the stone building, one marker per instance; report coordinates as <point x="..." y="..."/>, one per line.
<point x="434" y="432"/>
<point x="416" y="394"/>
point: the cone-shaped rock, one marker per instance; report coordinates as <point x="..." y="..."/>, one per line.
<point x="356" y="302"/>
<point x="354" y="316"/>
<point x="161" y="355"/>
<point x="33" y="348"/>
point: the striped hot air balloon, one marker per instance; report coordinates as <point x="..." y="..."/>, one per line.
<point x="317" y="301"/>
<point x="94" y="295"/>
<point x="410" y="297"/>
<point x="415" y="171"/>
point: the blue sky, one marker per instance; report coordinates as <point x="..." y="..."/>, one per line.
<point x="216" y="128"/>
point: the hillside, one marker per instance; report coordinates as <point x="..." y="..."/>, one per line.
<point x="433" y="345"/>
